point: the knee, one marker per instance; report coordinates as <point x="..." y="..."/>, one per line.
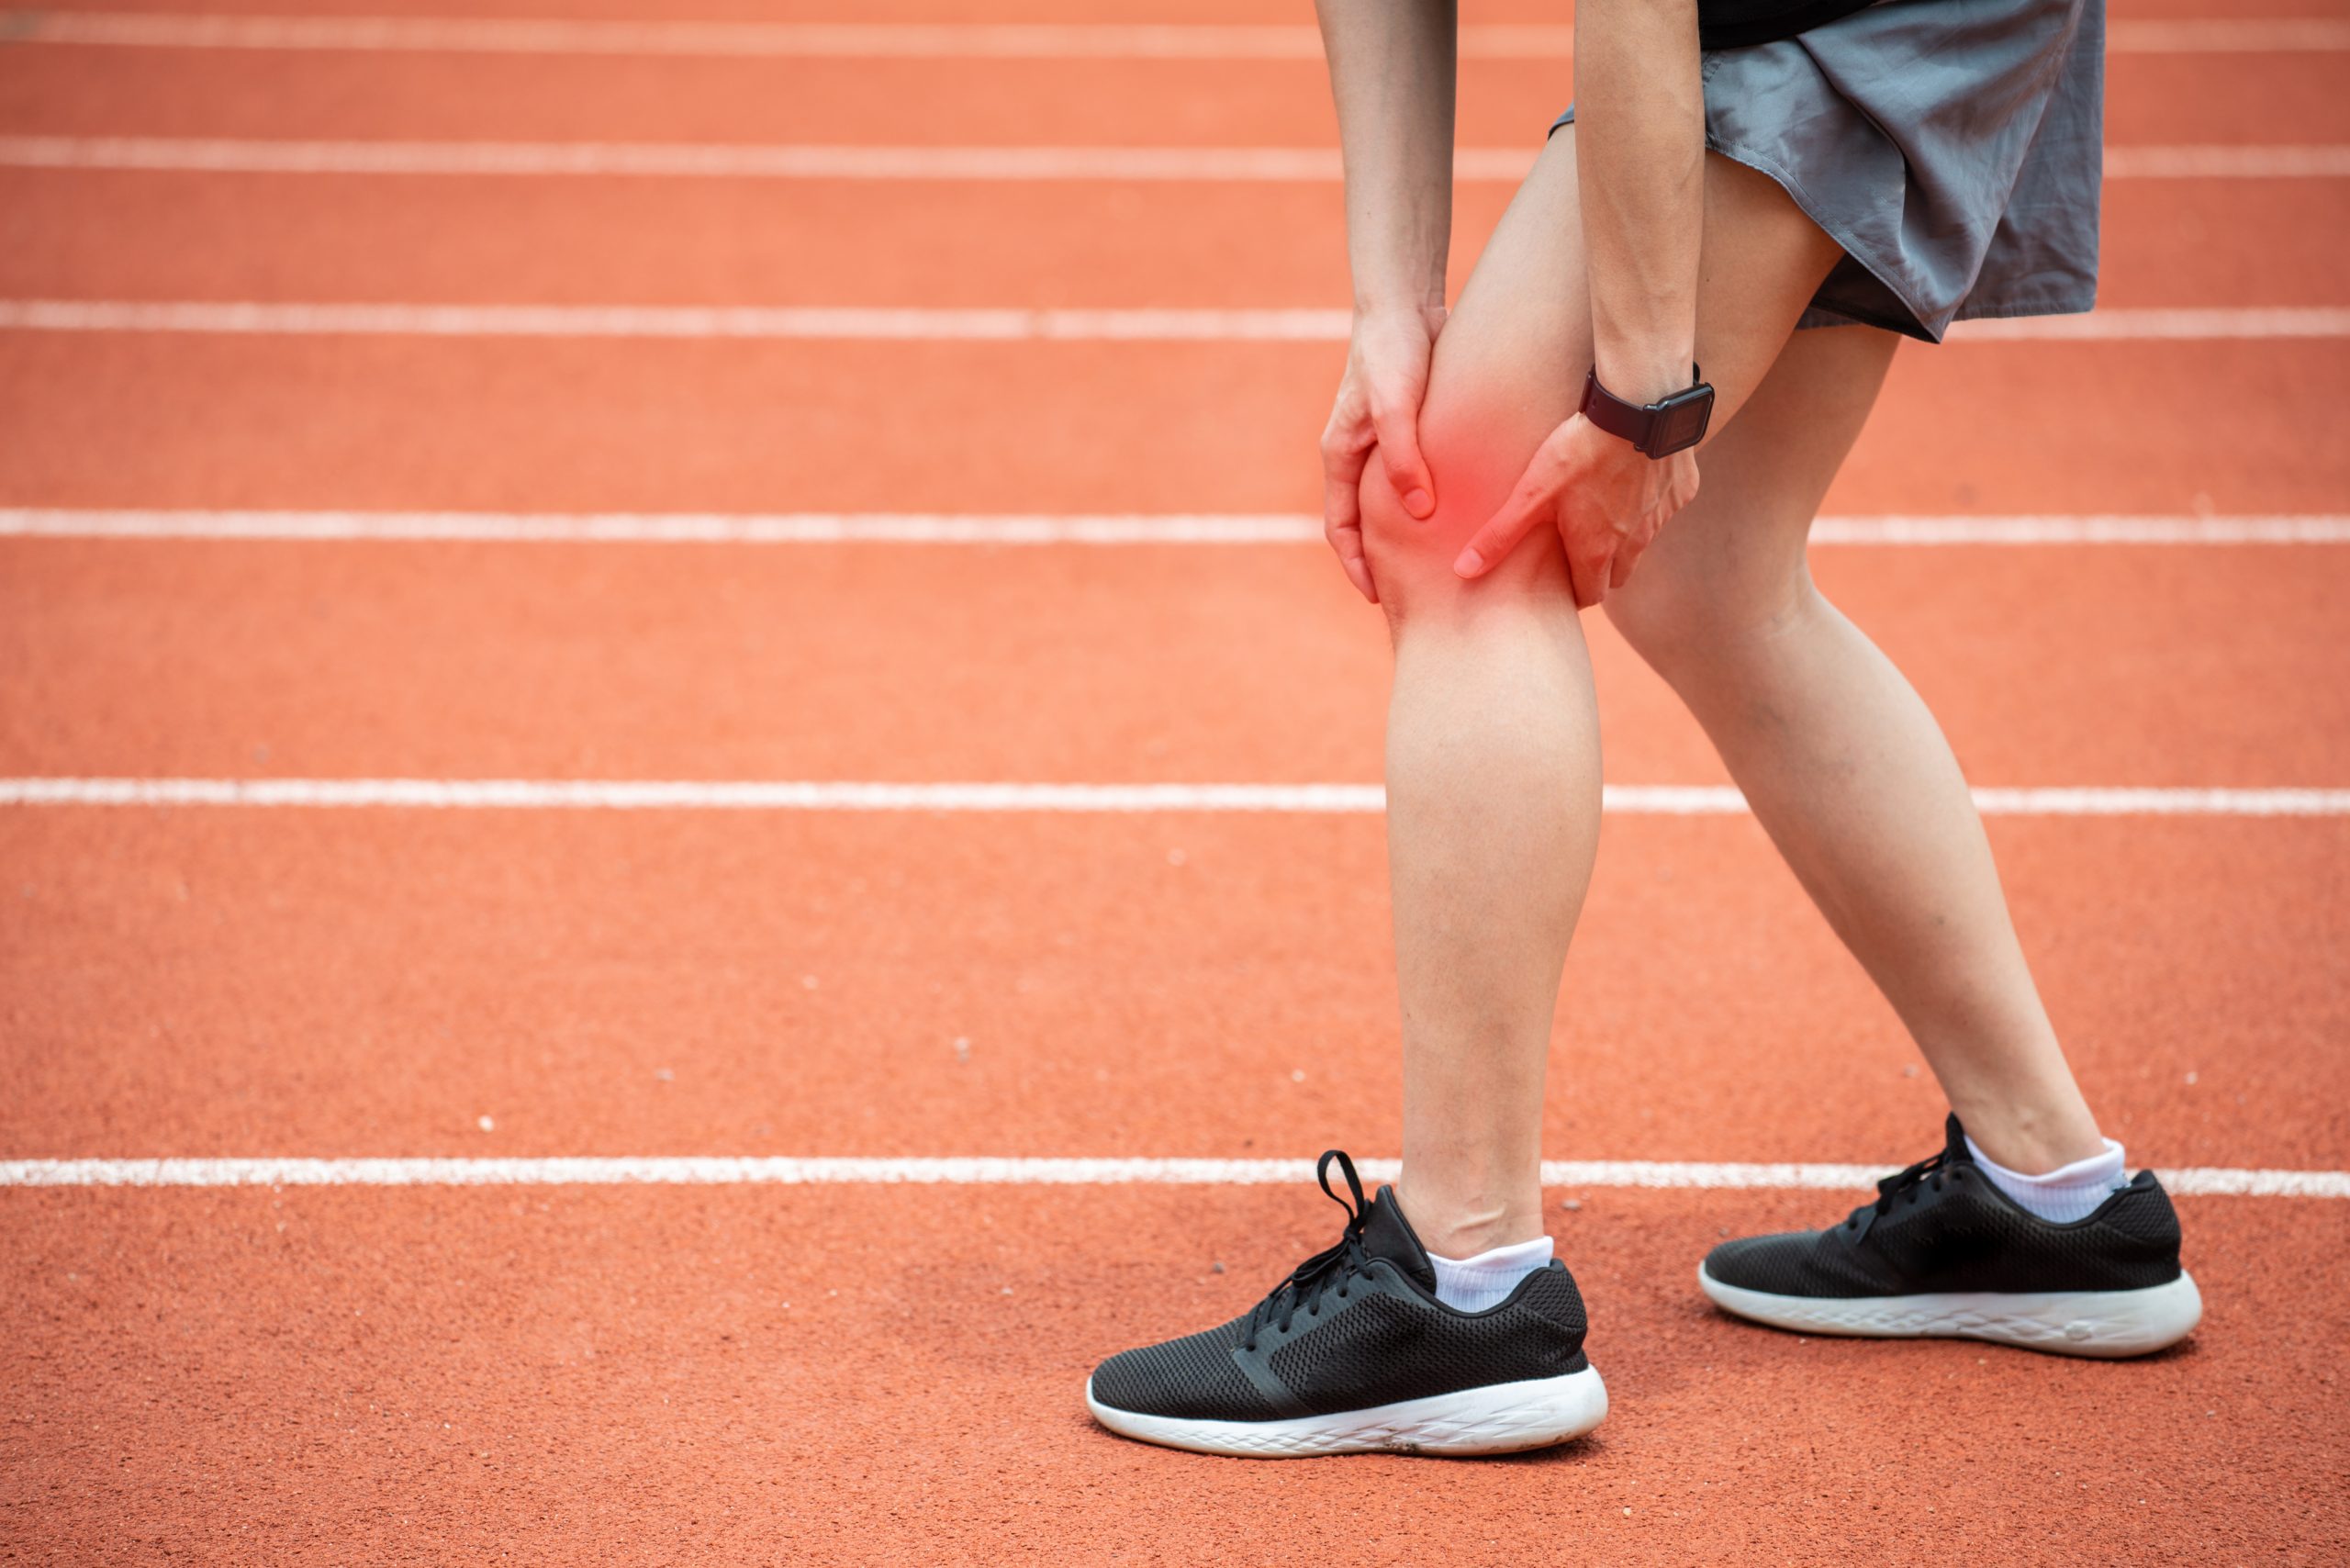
<point x="1685" y="612"/>
<point x="1658" y="612"/>
<point x="1411" y="558"/>
<point x="1401" y="549"/>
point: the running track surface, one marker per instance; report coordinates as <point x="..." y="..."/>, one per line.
<point x="889" y="1374"/>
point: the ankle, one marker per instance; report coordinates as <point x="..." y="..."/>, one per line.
<point x="2033" y="1137"/>
<point x="2032" y="1146"/>
<point x="1460" y="1227"/>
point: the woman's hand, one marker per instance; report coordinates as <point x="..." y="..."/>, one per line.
<point x="1603" y="495"/>
<point x="1378" y="405"/>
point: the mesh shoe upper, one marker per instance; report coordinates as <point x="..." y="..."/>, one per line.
<point x="1353" y="1327"/>
<point x="1943" y="1225"/>
<point x="1193" y="1378"/>
<point x="1389" y="1345"/>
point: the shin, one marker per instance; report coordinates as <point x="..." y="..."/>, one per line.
<point x="1493" y="787"/>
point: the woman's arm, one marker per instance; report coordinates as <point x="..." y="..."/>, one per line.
<point x="1640" y="164"/>
<point x="1639" y="177"/>
<point x="1392" y="76"/>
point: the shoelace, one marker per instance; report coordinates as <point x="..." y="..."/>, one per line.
<point x="1327" y="1272"/>
<point x="1928" y="1172"/>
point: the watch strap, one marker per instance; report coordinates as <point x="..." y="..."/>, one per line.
<point x="1638" y="423"/>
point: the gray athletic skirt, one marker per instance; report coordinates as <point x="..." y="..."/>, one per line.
<point x="1952" y="147"/>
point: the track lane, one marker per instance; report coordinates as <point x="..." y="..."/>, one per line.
<point x="311" y="1376"/>
<point x="69" y="90"/>
<point x="2091" y="665"/>
<point x="134" y="419"/>
<point x="244" y="983"/>
<point x="1293" y="13"/>
<point x="430" y="239"/>
<point x="195" y="1371"/>
<point x="1174" y="12"/>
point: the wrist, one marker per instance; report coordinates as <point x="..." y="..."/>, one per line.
<point x="1644" y="375"/>
<point x="1657" y="428"/>
<point x="1426" y="310"/>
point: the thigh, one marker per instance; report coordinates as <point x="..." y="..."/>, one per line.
<point x="1510" y="361"/>
<point x="1735" y="555"/>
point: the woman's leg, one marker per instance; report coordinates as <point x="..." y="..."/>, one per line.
<point x="1493" y="756"/>
<point x="1842" y="764"/>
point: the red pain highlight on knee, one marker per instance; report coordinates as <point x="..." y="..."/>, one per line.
<point x="1473" y="464"/>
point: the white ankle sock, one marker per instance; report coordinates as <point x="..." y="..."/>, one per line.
<point x="2069" y="1192"/>
<point x="1472" y="1284"/>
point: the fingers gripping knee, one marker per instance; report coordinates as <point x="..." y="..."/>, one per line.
<point x="1392" y="537"/>
<point x="1412" y="558"/>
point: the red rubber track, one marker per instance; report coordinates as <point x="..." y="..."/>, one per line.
<point x="422" y="240"/>
<point x="123" y="419"/>
<point x="69" y="90"/>
<point x="2048" y="666"/>
<point x="1253" y="12"/>
<point x="890" y="1375"/>
<point x="223" y="981"/>
<point x="590" y="1377"/>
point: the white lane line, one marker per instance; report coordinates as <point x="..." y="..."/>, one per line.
<point x="2245" y="34"/>
<point x="708" y="160"/>
<point x="2179" y="325"/>
<point x="1041" y="529"/>
<point x="917" y="324"/>
<point x="2218" y="163"/>
<point x="2317" y="529"/>
<point x="933" y="40"/>
<point x="810" y="795"/>
<point x="719" y="1171"/>
<point x="807" y="162"/>
<point x="820" y="40"/>
<point x="821" y="323"/>
<point x="680" y="528"/>
<point x="523" y="794"/>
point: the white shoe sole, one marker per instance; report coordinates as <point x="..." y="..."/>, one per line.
<point x="2071" y="1322"/>
<point x="1502" y="1418"/>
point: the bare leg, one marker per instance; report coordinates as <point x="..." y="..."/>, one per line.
<point x="1842" y="763"/>
<point x="1492" y="756"/>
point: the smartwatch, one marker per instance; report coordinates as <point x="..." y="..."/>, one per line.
<point x="1659" y="429"/>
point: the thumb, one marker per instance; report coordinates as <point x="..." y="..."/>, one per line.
<point x="1399" y="449"/>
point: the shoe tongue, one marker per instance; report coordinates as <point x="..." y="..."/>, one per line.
<point x="1387" y="1234"/>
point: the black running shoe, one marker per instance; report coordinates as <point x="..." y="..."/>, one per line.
<point x="1942" y="1253"/>
<point x="1353" y="1353"/>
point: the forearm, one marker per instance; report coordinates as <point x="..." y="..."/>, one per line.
<point x="1392" y="77"/>
<point x="1639" y="157"/>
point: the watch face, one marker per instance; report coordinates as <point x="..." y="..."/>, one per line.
<point x="1681" y="421"/>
